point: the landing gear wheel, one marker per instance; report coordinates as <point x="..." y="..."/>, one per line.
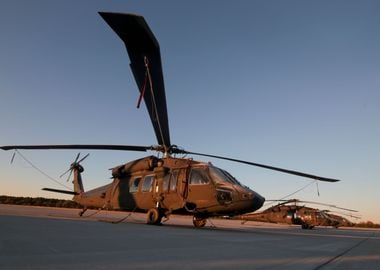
<point x="154" y="216"/>
<point x="199" y="222"/>
<point x="307" y="226"/>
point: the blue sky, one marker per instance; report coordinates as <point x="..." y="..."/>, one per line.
<point x="293" y="84"/>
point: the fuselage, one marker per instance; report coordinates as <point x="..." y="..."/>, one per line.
<point x="299" y="215"/>
<point x="175" y="185"/>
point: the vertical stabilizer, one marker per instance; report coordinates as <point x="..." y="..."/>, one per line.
<point x="77" y="181"/>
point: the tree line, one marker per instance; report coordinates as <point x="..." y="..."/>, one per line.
<point x="39" y="201"/>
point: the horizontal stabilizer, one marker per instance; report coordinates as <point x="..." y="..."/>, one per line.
<point x="61" y="191"/>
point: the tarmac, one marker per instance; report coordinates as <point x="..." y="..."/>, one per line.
<point x="54" y="238"/>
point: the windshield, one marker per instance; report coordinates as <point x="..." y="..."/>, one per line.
<point x="198" y="176"/>
<point x="222" y="176"/>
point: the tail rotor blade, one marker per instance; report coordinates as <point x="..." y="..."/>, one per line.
<point x="70" y="170"/>
<point x="13" y="157"/>
<point x="64" y="173"/>
<point x="76" y="159"/>
<point x="68" y="178"/>
<point x="83" y="158"/>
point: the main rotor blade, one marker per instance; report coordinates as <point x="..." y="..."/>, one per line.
<point x="330" y="205"/>
<point x="311" y="202"/>
<point x="344" y="214"/>
<point x="282" y="202"/>
<point x="79" y="146"/>
<point x="144" y="54"/>
<point x="302" y="174"/>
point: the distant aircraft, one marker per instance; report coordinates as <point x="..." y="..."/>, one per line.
<point x="289" y="212"/>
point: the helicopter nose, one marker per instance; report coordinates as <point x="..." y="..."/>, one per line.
<point x="257" y="201"/>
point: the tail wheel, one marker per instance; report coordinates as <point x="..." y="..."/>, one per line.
<point x="199" y="222"/>
<point x="154" y="216"/>
<point x="307" y="226"/>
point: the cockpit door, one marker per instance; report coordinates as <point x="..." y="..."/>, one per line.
<point x="201" y="189"/>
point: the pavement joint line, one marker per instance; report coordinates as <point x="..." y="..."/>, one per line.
<point x="343" y="253"/>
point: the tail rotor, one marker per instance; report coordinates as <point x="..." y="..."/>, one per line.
<point x="73" y="165"/>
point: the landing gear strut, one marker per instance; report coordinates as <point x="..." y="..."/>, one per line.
<point x="82" y="212"/>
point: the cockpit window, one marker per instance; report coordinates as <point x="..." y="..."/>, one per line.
<point x="198" y="176"/>
<point x="220" y="176"/>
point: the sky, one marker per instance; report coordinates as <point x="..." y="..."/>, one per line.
<point x="292" y="84"/>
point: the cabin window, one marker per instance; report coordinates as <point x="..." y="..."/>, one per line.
<point x="307" y="213"/>
<point x="165" y="184"/>
<point x="170" y="182"/>
<point x="135" y="185"/>
<point x="147" y="185"/>
<point x="198" y="177"/>
<point x="173" y="181"/>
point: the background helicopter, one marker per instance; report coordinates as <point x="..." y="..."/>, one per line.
<point x="161" y="186"/>
<point x="336" y="221"/>
<point x="291" y="212"/>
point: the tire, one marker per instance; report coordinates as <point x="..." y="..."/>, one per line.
<point x="154" y="217"/>
<point x="199" y="222"/>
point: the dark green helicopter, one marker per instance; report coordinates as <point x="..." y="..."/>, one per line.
<point x="166" y="184"/>
<point x="295" y="212"/>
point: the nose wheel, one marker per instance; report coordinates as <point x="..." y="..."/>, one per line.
<point x="199" y="222"/>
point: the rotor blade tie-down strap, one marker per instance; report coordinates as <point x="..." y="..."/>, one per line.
<point x="154" y="105"/>
<point x="144" y="87"/>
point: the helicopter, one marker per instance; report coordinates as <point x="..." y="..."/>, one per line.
<point x="289" y="212"/>
<point x="336" y="221"/>
<point x="163" y="184"/>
